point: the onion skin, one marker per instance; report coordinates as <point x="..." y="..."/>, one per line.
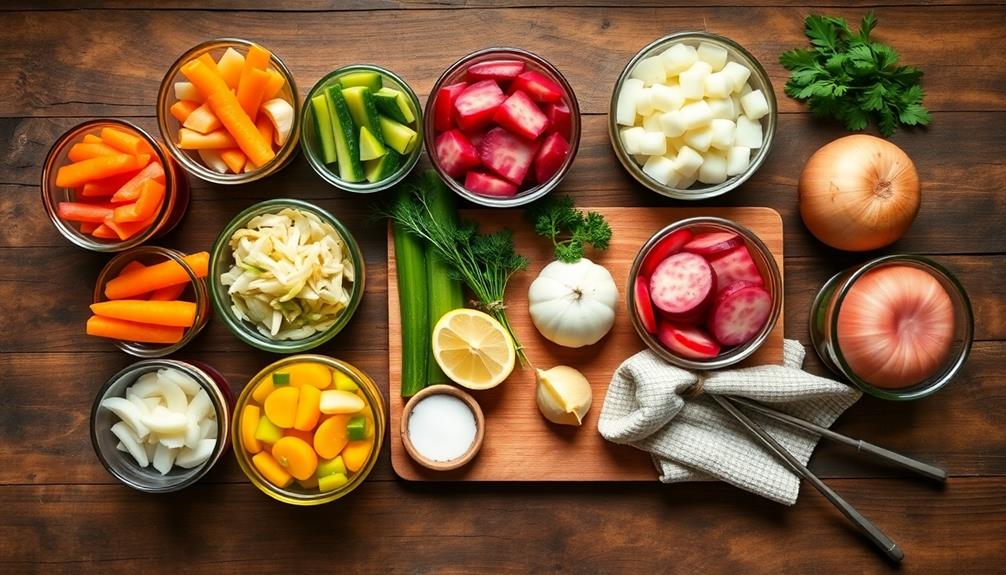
<point x="859" y="193"/>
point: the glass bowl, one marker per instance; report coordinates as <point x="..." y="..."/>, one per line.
<point x="195" y="292"/>
<point x="169" y="125"/>
<point x="456" y="73"/>
<point x="767" y="267"/>
<point x="176" y="184"/>
<point x="120" y="465"/>
<point x="221" y="260"/>
<point x="824" y="326"/>
<point x="759" y="80"/>
<point x="295" y="494"/>
<point x="309" y="135"/>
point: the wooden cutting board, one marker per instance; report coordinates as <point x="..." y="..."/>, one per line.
<point x="520" y="445"/>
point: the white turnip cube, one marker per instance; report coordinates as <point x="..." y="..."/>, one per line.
<point x="644" y="107"/>
<point x="666" y="98"/>
<point x="713" y="54"/>
<point x="631" y="138"/>
<point x="748" y="133"/>
<point x="651" y="123"/>
<point x="755" y="105"/>
<point x="649" y="70"/>
<point x="687" y="162"/>
<point x="678" y="58"/>
<point x="696" y="115"/>
<point x="718" y="85"/>
<point x="738" y="74"/>
<point x="738" y="160"/>
<point x="674" y="144"/>
<point x="713" y="169"/>
<point x="625" y="109"/>
<point x="700" y="138"/>
<point x="693" y="80"/>
<point x="687" y="181"/>
<point x="722" y="108"/>
<point x="723" y="133"/>
<point x="653" y="144"/>
<point x="661" y="169"/>
<point x="672" y="123"/>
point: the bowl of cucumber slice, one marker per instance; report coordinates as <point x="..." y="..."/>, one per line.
<point x="362" y="128"/>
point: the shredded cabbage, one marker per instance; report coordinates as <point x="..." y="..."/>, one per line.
<point x="292" y="275"/>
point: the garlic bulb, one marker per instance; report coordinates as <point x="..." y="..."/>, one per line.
<point x="573" y="304"/>
<point x="563" y="395"/>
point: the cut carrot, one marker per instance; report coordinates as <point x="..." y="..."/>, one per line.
<point x="133" y="331"/>
<point x="106" y="186"/>
<point x="182" y="108"/>
<point x="202" y="120"/>
<point x="129" y="191"/>
<point x="155" y="277"/>
<point x="125" y="142"/>
<point x="126" y="230"/>
<point x="104" y="232"/>
<point x="239" y="124"/>
<point x="250" y="92"/>
<point x="78" y="173"/>
<point x="145" y="207"/>
<point x="265" y="127"/>
<point x="206" y="80"/>
<point x="230" y="66"/>
<point x="131" y="267"/>
<point x="193" y="140"/>
<point x="209" y="61"/>
<point x="257" y="59"/>
<point x="276" y="83"/>
<point x="92" y="139"/>
<point x="88" y="227"/>
<point x="169" y="293"/>
<point x="80" y="212"/>
<point x="85" y="151"/>
<point x="169" y="313"/>
<point x="235" y="159"/>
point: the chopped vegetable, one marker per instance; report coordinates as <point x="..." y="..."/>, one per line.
<point x="167" y="273"/>
<point x="169" y="313"/>
<point x="78" y="173"/>
<point x="202" y="120"/>
<point x="126" y="142"/>
<point x="413" y="304"/>
<point x="133" y="331"/>
<point x="78" y="212"/>
<point x="444" y="289"/>
<point x="130" y="190"/>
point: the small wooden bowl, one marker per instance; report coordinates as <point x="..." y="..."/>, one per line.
<point x="480" y="428"/>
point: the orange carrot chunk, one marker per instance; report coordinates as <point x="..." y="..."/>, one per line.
<point x="169" y="293"/>
<point x="129" y="191"/>
<point x="235" y="159"/>
<point x="126" y="230"/>
<point x="276" y="83"/>
<point x="193" y="140"/>
<point x="257" y="59"/>
<point x="251" y="91"/>
<point x="209" y="61"/>
<point x="106" y="186"/>
<point x="78" y="173"/>
<point x="80" y="212"/>
<point x="182" y="108"/>
<point x="167" y="273"/>
<point x="206" y="80"/>
<point x="169" y="313"/>
<point x="85" y="151"/>
<point x="133" y="331"/>
<point x="202" y="120"/>
<point x="265" y="127"/>
<point x="88" y="227"/>
<point x="92" y="139"/>
<point x="145" y="207"/>
<point x="104" y="232"/>
<point x="125" y="142"/>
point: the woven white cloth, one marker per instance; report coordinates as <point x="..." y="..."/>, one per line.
<point x="694" y="439"/>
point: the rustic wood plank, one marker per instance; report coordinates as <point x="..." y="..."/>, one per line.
<point x="56" y="71"/>
<point x="481" y="529"/>
<point x="954" y="191"/>
<point x="47" y="400"/>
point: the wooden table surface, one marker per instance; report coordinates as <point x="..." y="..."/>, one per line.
<point x="61" y="512"/>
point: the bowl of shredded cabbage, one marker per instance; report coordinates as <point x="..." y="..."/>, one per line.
<point x="285" y="276"/>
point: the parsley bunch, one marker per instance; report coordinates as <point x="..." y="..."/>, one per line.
<point x="847" y="76"/>
<point x="570" y="230"/>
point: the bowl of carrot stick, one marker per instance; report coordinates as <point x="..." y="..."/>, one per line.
<point x="108" y="185"/>
<point x="229" y="111"/>
<point x="151" y="301"/>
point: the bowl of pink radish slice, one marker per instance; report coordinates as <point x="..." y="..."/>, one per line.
<point x="502" y="127"/>
<point x="704" y="293"/>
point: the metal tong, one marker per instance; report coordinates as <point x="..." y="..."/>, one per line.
<point x="872" y="532"/>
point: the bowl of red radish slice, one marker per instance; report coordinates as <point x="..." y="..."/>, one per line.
<point x="704" y="293"/>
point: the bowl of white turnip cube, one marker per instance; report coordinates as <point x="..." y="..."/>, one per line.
<point x="692" y="115"/>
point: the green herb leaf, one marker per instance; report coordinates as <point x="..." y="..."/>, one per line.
<point x="570" y="230"/>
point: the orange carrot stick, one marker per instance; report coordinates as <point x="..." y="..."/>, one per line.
<point x="206" y="80"/>
<point x="78" y="173"/>
<point x="182" y="108"/>
<point x="169" y="293"/>
<point x="125" y="142"/>
<point x="250" y="93"/>
<point x="88" y="227"/>
<point x="91" y="139"/>
<point x="235" y="159"/>
<point x="276" y="83"/>
<point x="131" y="267"/>
<point x="106" y="186"/>
<point x="145" y="207"/>
<point x="85" y="151"/>
<point x="265" y="127"/>
<point x="132" y="331"/>
<point x="155" y="277"/>
<point x="202" y="120"/>
<point x="126" y="230"/>
<point x="257" y="59"/>
<point x="129" y="191"/>
<point x="209" y="61"/>
<point x="169" y="313"/>
<point x="104" y="232"/>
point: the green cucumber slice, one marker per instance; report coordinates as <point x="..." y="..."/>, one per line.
<point x="383" y="167"/>
<point x="394" y="105"/>
<point x="399" y="137"/>
<point x="347" y="145"/>
<point x="372" y="80"/>
<point x="370" y="146"/>
<point x="323" y="123"/>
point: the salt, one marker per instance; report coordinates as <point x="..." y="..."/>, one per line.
<point x="442" y="427"/>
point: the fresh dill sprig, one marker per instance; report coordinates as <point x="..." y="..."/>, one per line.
<point x="570" y="230"/>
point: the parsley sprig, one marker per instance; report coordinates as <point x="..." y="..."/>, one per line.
<point x="570" y="230"/>
<point x="847" y="76"/>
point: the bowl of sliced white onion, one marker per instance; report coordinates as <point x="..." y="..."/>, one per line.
<point x="692" y="115"/>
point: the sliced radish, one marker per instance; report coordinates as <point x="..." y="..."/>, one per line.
<point x="489" y="185"/>
<point x="520" y="115"/>
<point x="644" y="307"/>
<point x="507" y="154"/>
<point x="560" y="119"/>
<point x="455" y="154"/>
<point x="443" y="106"/>
<point x="550" y="157"/>
<point x="477" y="103"/>
<point x="499" y="70"/>
<point x="713" y="243"/>
<point x="736" y="265"/>
<point x="539" y="86"/>
<point x="740" y="313"/>
<point x="668" y="246"/>
<point x="687" y="341"/>
<point x="682" y="284"/>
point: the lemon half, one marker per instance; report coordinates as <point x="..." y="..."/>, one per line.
<point x="473" y="349"/>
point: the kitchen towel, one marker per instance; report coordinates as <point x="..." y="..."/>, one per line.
<point x="662" y="409"/>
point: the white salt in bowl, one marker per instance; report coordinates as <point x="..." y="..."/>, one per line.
<point x="413" y="447"/>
